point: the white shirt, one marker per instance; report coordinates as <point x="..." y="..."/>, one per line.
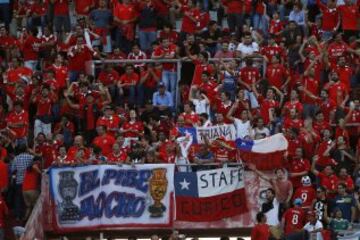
<point x="201" y="106"/>
<point x="272" y="215"/>
<point x="243" y="129"/>
<point x="264" y="130"/>
<point x="247" y="49"/>
<point x="309" y="227"/>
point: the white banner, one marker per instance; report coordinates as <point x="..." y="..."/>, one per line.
<point x="226" y="131"/>
<point x="111" y="195"/>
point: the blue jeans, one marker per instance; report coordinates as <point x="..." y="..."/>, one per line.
<point x="260" y="22"/>
<point x="146" y="39"/>
<point x="19" y="205"/>
<point x="122" y="42"/>
<point x="170" y="81"/>
<point x="62" y="22"/>
<point x="131" y="92"/>
<point x="234" y="21"/>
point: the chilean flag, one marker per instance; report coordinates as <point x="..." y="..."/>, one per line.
<point x="210" y="195"/>
<point x="266" y="153"/>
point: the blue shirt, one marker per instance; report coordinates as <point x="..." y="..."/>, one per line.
<point x="298" y="17"/>
<point x="4" y="1"/>
<point x="163" y="100"/>
<point x="20" y="164"/>
<point x="101" y="18"/>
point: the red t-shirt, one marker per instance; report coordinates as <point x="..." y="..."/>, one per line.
<point x="294" y="220"/>
<point x="172" y="36"/>
<point x="293" y="123"/>
<point x="4" y="175"/>
<point x="171" y="49"/>
<point x="124" y="11"/>
<point x="330" y="17"/>
<point x="31" y="48"/>
<point x="137" y="126"/>
<point x="337" y="92"/>
<point x="312" y="85"/>
<point x="345" y="73"/>
<point x="265" y="106"/>
<point x="44" y="105"/>
<point x="297" y="166"/>
<point x="113" y="122"/>
<point x="276" y="26"/>
<point x="82" y="7"/>
<point x="270" y="51"/>
<point x="61" y="75"/>
<point x="31" y="180"/>
<point x="329" y="182"/>
<point x="189" y="26"/>
<point x="61" y="7"/>
<point x="327" y="107"/>
<point x="349" y="16"/>
<point x="120" y="157"/>
<point x="151" y="82"/>
<point x="233" y="6"/>
<point x="249" y="75"/>
<point x="336" y="50"/>
<point x="307" y="194"/>
<point x="348" y="181"/>
<point x="129" y="79"/>
<point x="22" y="117"/>
<point x="105" y="143"/>
<point x="293" y="105"/>
<point x="191" y="119"/>
<point x="108" y="78"/>
<point x="78" y="57"/>
<point x="277" y="75"/>
<point x="260" y="232"/>
<point x="199" y="69"/>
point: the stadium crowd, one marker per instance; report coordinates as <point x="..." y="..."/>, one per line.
<point x="285" y="66"/>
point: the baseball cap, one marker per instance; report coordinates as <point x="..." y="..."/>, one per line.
<point x="298" y="202"/>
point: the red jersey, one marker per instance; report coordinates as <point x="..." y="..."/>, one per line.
<point x="293" y="145"/>
<point x="276" y="26"/>
<point x="136" y="127"/>
<point x="270" y="51"/>
<point x="293" y="105"/>
<point x="330" y="17"/>
<point x="349" y="16"/>
<point x="117" y="157"/>
<point x="61" y="7"/>
<point x="140" y="56"/>
<point x="249" y="75"/>
<point x="199" y="69"/>
<point x="337" y="92"/>
<point x="345" y="73"/>
<point x="293" y="123"/>
<point x="191" y="119"/>
<point x="172" y="36"/>
<point x="44" y="105"/>
<point x="307" y="194"/>
<point x="82" y="7"/>
<point x="336" y="50"/>
<point x="4" y="174"/>
<point x="260" y="232"/>
<point x="170" y="50"/>
<point x="108" y="78"/>
<point x="19" y="118"/>
<point x="78" y="56"/>
<point x="298" y="166"/>
<point x="327" y="107"/>
<point x="311" y="85"/>
<point x="348" y="181"/>
<point x="277" y="75"/>
<point x="265" y="106"/>
<point x="31" y="48"/>
<point x="210" y="89"/>
<point x="112" y="123"/>
<point x="61" y="75"/>
<point x="233" y="6"/>
<point x="151" y="82"/>
<point x="105" y="143"/>
<point x="294" y="220"/>
<point x="31" y="180"/>
<point x="131" y="79"/>
<point x="188" y="26"/>
<point x="71" y="154"/>
<point x="329" y="182"/>
<point x="124" y="11"/>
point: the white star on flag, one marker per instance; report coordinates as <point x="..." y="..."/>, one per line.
<point x="184" y="184"/>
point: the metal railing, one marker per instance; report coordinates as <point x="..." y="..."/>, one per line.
<point x="91" y="66"/>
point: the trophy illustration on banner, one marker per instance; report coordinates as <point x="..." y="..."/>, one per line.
<point x="158" y="186"/>
<point x="69" y="212"/>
